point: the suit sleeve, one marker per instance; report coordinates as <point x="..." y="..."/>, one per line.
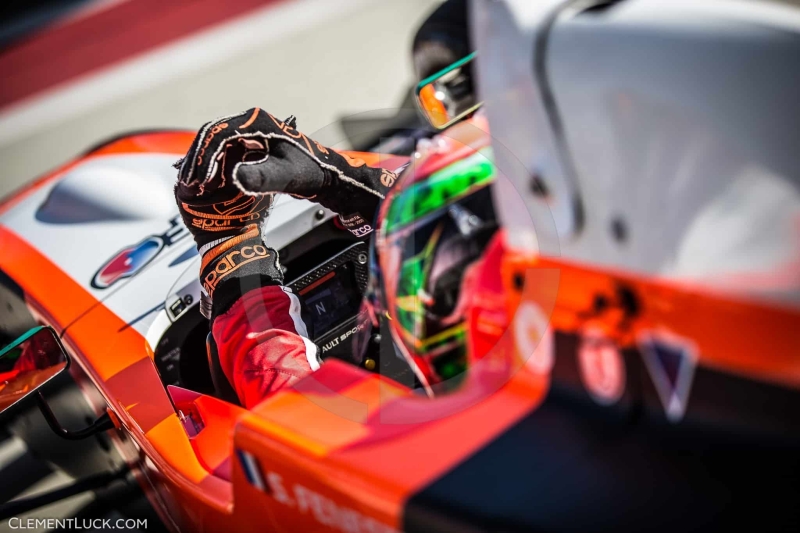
<point x="263" y="343"/>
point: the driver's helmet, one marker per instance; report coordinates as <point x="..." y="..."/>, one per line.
<point x="432" y="229"/>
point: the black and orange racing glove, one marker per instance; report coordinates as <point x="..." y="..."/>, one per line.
<point x="226" y="184"/>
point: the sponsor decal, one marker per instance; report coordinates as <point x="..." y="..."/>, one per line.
<point x="601" y="366"/>
<point x="252" y="470"/>
<point x="533" y="337"/>
<point x="323" y="509"/>
<point x="352" y="220"/>
<point x="132" y="259"/>
<point x="670" y="361"/>
<point x="223" y="216"/>
<point x="361" y="231"/>
<point x="387" y="178"/>
<point x="231" y="262"/>
<point x="356" y="225"/>
<point x="333" y="343"/>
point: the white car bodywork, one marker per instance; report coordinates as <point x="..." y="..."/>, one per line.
<point x="665" y="133"/>
<point x="83" y="218"/>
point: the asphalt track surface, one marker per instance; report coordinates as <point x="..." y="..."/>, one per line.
<point x="320" y="60"/>
<point x="24" y="475"/>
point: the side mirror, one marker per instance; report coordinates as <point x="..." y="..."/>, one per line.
<point x="28" y="363"/>
<point x="449" y="95"/>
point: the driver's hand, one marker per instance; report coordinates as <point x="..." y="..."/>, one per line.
<point x="247" y="158"/>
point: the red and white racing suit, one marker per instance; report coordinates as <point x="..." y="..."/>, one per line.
<point x="263" y="344"/>
<point x="225" y="188"/>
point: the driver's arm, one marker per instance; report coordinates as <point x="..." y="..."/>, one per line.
<point x="226" y="184"/>
<point x="263" y="344"/>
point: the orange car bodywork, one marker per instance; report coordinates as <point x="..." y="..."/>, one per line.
<point x="345" y="449"/>
<point x="293" y="433"/>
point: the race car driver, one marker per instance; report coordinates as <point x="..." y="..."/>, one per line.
<point x="226" y="185"/>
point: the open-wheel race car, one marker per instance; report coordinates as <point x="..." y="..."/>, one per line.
<point x="633" y="333"/>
